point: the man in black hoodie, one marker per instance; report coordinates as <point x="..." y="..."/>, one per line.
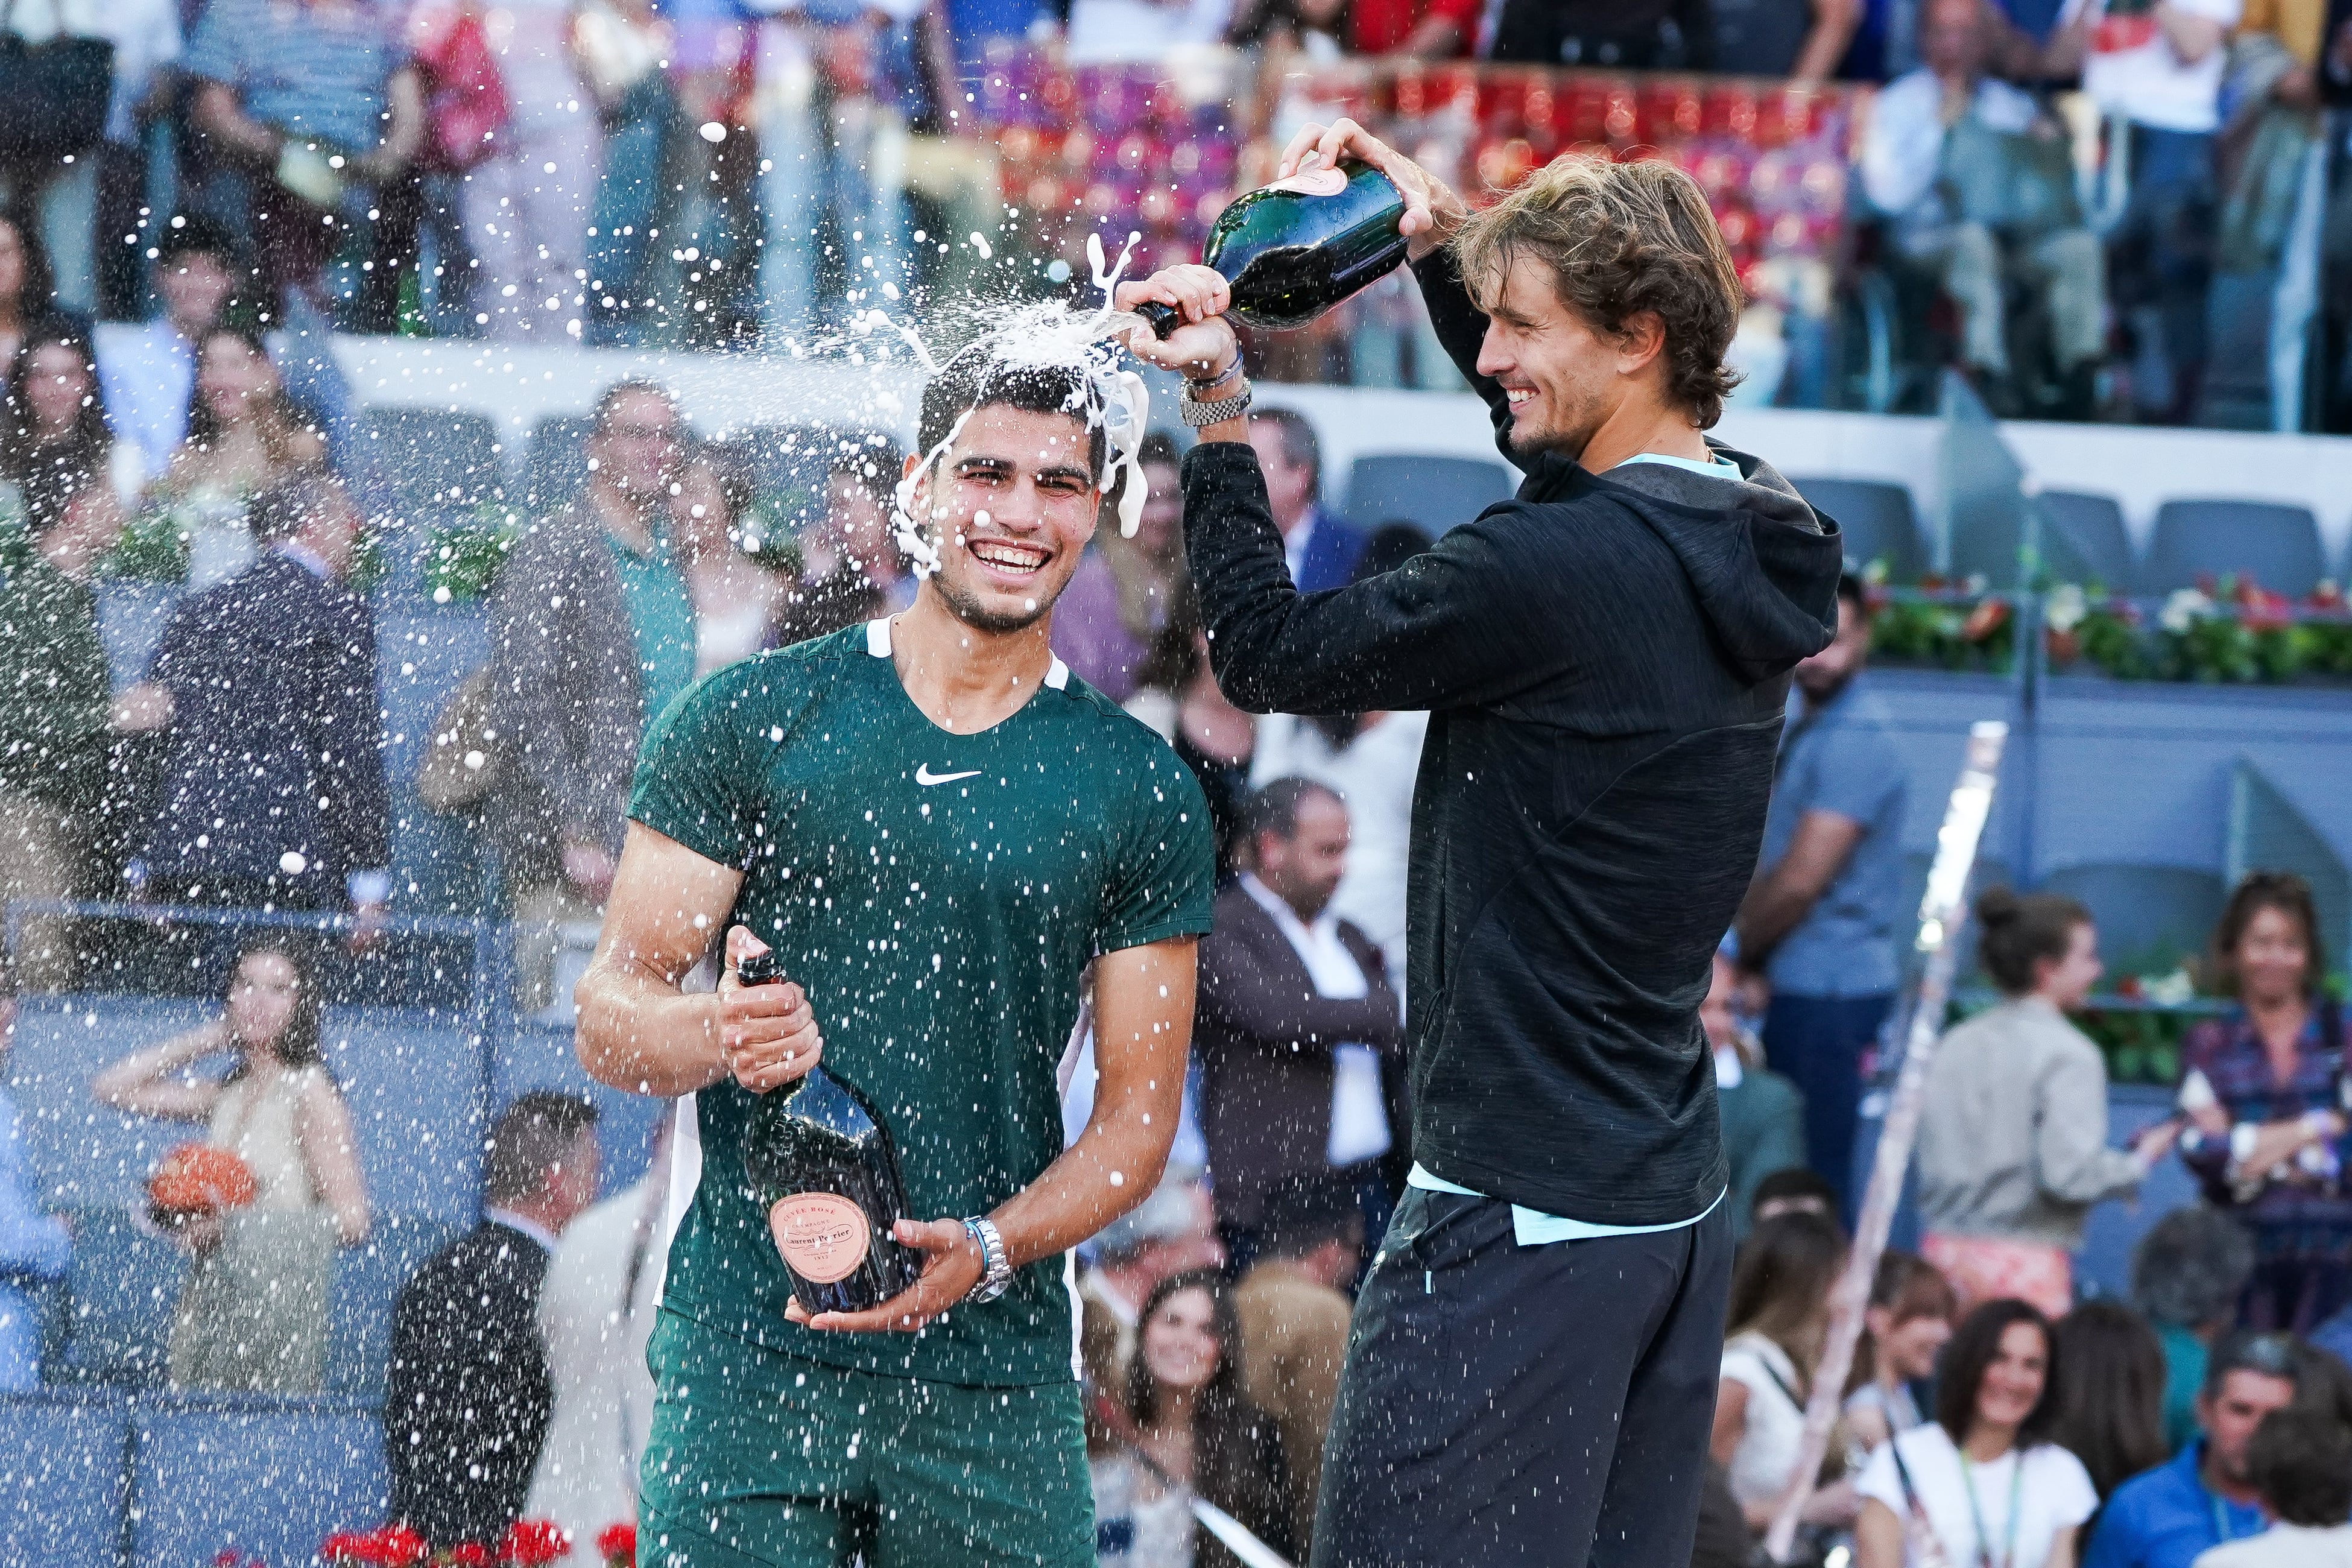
<point x="1606" y="660"/>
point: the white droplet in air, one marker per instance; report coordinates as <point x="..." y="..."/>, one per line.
<point x="980" y="245"/>
<point x="293" y="863"/>
<point x="713" y="132"/>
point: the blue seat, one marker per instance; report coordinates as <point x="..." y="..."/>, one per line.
<point x="558" y="461"/>
<point x="416" y="1085"/>
<point x="2279" y="545"/>
<point x="1877" y="519"/>
<point x="2084" y="540"/>
<point x="536" y="1057"/>
<point x="120" y="1294"/>
<point x="78" y="1154"/>
<point x="434" y="463"/>
<point x="367" y="1279"/>
<point x="1434" y="492"/>
<point x="266" y="1478"/>
<point x="64" y="1487"/>
<point x="437" y="865"/>
<point x="792" y="462"/>
<point x="2149" y="917"/>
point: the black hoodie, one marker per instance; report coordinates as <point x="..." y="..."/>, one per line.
<point x="1605" y="661"/>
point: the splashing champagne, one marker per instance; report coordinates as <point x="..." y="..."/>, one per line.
<point x="1295" y="248"/>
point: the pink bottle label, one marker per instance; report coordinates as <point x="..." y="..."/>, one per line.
<point x="1320" y="181"/>
<point x="823" y="1236"/>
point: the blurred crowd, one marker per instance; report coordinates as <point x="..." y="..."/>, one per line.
<point x="2110" y="209"/>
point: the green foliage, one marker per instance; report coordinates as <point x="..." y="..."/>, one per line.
<point x="154" y="548"/>
<point x="462" y="559"/>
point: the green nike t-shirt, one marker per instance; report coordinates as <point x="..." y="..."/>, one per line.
<point x="937" y="896"/>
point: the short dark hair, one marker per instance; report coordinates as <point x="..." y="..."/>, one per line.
<point x="1274" y="808"/>
<point x="1307" y="1209"/>
<point x="534" y="1136"/>
<point x="976" y="377"/>
<point x="1796" y="1182"/>
<point x="194" y="234"/>
<point x="2190" y="1266"/>
<point x="2287" y="893"/>
<point x="2265" y="1352"/>
<point x="1969" y="1353"/>
<point x="629" y="386"/>
<point x="2301" y="1462"/>
<point x="1301" y="447"/>
<point x="1853" y="590"/>
<point x="283" y="509"/>
<point x="2016" y="931"/>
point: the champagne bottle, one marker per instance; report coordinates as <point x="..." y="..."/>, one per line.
<point x="1293" y="249"/>
<point x="822" y="1165"/>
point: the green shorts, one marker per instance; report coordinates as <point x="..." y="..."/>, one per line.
<point x="761" y="1458"/>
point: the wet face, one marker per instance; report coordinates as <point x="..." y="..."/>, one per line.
<point x="1009" y="506"/>
<point x="1716" y="1014"/>
<point x="2013" y="1381"/>
<point x="1824" y="674"/>
<point x="12" y="263"/>
<point x="1562" y="375"/>
<point x="1304" y="869"/>
<point x="2271" y="957"/>
<point x="57" y="384"/>
<point x="636" y="448"/>
<point x="195" y="287"/>
<point x="1909" y="1348"/>
<point x="1179" y="1342"/>
<point x="2068" y="981"/>
<point x="2230" y="1414"/>
<point x="1159" y="532"/>
<point x="261" y="1000"/>
<point x="231" y="377"/>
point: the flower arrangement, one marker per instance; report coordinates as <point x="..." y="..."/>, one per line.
<point x="1960" y="626"/>
<point x="617" y="1545"/>
<point x="527" y="1543"/>
<point x="462" y="559"/>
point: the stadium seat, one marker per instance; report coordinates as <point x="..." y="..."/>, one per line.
<point x="533" y="1057"/>
<point x="78" y="1154"/>
<point x="416" y="1085"/>
<point x="119" y="1296"/>
<point x="437" y="867"/>
<point x="2150" y="918"/>
<point x="1878" y="520"/>
<point x="2279" y="545"/>
<point x="367" y="1280"/>
<point x="558" y="461"/>
<point x="791" y="460"/>
<point x="267" y="1478"/>
<point x="434" y="463"/>
<point x="63" y="1487"/>
<point x="1435" y="492"/>
<point x="2084" y="540"/>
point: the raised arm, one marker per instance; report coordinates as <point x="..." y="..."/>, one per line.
<point x="637" y="1030"/>
<point x="1143" y="1024"/>
<point x="149" y="1082"/>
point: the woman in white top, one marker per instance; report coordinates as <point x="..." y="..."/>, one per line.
<point x="1778" y="1315"/>
<point x="1981" y="1486"/>
<point x="1905" y="1326"/>
<point x="253" y="1315"/>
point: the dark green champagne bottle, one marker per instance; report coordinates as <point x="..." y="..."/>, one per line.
<point x="1295" y="248"/>
<point x="822" y="1166"/>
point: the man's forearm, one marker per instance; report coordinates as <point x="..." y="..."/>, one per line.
<point x="1113" y="1166"/>
<point x="1774" y="908"/>
<point x="641" y="1033"/>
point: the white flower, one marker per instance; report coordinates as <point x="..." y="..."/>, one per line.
<point x="2064" y="610"/>
<point x="2170" y="990"/>
<point x="2183" y="609"/>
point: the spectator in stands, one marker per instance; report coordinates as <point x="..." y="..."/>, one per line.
<point x="591" y="633"/>
<point x="148" y="370"/>
<point x="2301" y="1464"/>
<point x="1658" y="34"/>
<point x="1183" y="1410"/>
<point x="1820" y="920"/>
<point x="244" y="438"/>
<point x="1172" y="1232"/>
<point x="1322" y="547"/>
<point x="623" y="44"/>
<point x="253" y="1315"/>
<point x="1799" y="39"/>
<point x="2260" y="1086"/>
<point x="466" y="1393"/>
<point x="146" y="36"/>
<point x="27" y="293"/>
<point x="1778" y="1315"/>
<point x="55" y="416"/>
<point x="35" y="1248"/>
<point x="526" y="206"/>
<point x="2013" y="1128"/>
<point x="596" y="1309"/>
<point x="1991" y="1440"/>
<point x="1105" y="620"/>
<point x="736" y="597"/>
<point x="1177" y="694"/>
<point x="55" y="716"/>
<point x="1797" y="1190"/>
<point x="1406" y="29"/>
<point x="1295" y="1014"/>
<point x="315" y="104"/>
<point x="2157" y="69"/>
<point x="2185" y="1276"/>
<point x="1978" y="183"/>
<point x="1763" y="1114"/>
<point x="1294" y="1313"/>
<point x="852" y="569"/>
<point x="2109" y="1390"/>
<point x="1904" y="1329"/>
<point x="2205" y="1495"/>
<point x="275" y="793"/>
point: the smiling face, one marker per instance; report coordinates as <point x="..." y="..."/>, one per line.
<point x="1009" y="506"/>
<point x="2273" y="957"/>
<point x="56" y="383"/>
<point x="1563" y="375"/>
<point x="2066" y="981"/>
<point x="194" y="285"/>
<point x="2012" y="1382"/>
<point x="1179" y="1341"/>
<point x="231" y="377"/>
<point x="1908" y="1348"/>
<point x="261" y="1000"/>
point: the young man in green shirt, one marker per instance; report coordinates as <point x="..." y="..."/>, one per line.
<point x="936" y="827"/>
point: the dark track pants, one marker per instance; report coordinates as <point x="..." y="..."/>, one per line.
<point x="1524" y="1404"/>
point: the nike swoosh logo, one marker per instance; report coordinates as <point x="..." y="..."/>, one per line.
<point x="923" y="776"/>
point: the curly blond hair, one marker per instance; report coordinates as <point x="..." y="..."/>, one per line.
<point x="1619" y="239"/>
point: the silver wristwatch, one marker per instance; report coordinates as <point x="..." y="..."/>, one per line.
<point x="1200" y="413"/>
<point x="996" y="1274"/>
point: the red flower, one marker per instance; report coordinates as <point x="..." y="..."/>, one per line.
<point x="617" y="1545"/>
<point x="534" y="1542"/>
<point x="2262" y="610"/>
<point x="1984" y="620"/>
<point x="2328" y="596"/>
<point x="389" y="1546"/>
<point x="470" y="1554"/>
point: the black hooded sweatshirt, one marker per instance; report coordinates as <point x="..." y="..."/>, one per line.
<point x="1605" y="662"/>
